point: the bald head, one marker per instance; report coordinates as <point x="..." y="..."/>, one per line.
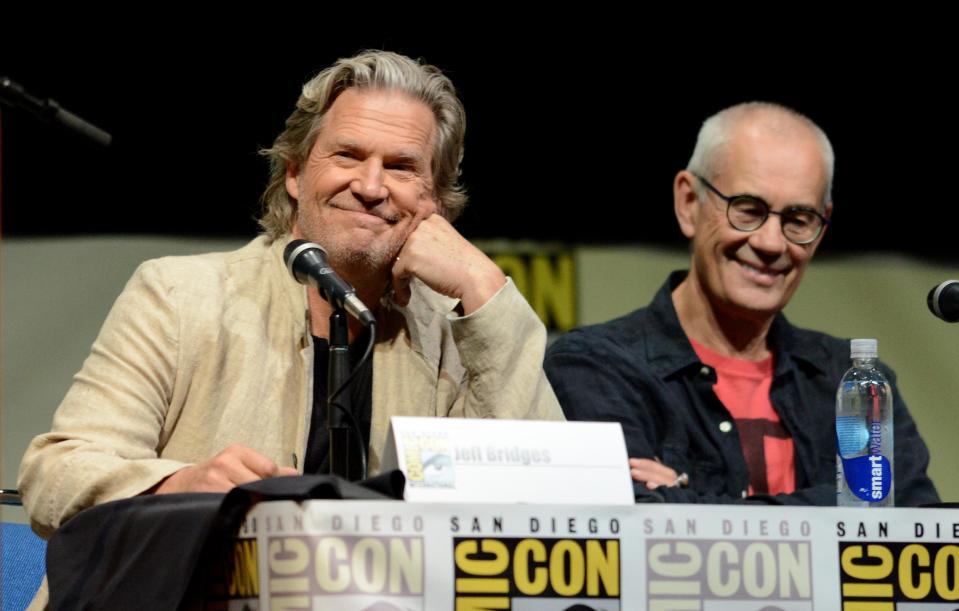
<point x="755" y="119"/>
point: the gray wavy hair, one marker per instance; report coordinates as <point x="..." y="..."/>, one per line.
<point x="374" y="70"/>
<point x="718" y="129"/>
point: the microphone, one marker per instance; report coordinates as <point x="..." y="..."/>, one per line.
<point x="943" y="300"/>
<point x="308" y="265"/>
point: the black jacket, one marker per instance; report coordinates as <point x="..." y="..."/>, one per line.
<point x="641" y="371"/>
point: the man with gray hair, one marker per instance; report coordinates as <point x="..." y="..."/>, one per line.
<point x="720" y="398"/>
<point x="210" y="370"/>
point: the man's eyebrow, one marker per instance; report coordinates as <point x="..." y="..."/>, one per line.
<point x="407" y="157"/>
<point x="801" y="208"/>
<point x="788" y="206"/>
<point x="402" y="156"/>
<point x="349" y="145"/>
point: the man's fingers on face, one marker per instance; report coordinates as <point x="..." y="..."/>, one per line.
<point x="440" y="225"/>
<point x="407" y="226"/>
<point x="405" y="229"/>
<point x="433" y="242"/>
<point x="412" y="224"/>
<point x="422" y="228"/>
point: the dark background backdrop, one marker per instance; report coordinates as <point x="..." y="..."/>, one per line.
<point x="570" y="138"/>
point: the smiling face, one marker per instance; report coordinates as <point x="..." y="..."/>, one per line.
<point x="752" y="274"/>
<point x="367" y="181"/>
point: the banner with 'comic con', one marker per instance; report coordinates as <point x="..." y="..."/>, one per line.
<point x="394" y="556"/>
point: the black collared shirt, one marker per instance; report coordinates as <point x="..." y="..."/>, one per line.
<point x="641" y="371"/>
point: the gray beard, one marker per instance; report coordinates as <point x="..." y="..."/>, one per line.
<point x="362" y="268"/>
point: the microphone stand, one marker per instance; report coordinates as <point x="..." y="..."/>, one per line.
<point x="49" y="111"/>
<point x="337" y="373"/>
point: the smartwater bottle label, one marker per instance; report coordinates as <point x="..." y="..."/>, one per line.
<point x="851" y="436"/>
<point x="868" y="477"/>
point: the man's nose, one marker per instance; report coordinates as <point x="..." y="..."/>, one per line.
<point x="769" y="238"/>
<point x="368" y="183"/>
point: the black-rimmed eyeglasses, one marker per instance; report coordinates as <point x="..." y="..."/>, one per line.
<point x="799" y="224"/>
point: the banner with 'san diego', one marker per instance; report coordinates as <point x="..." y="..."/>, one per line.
<point x="378" y="556"/>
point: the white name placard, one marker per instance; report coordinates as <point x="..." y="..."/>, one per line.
<point x="510" y="461"/>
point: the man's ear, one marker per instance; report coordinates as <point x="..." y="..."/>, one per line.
<point x="292" y="184"/>
<point x="828" y="214"/>
<point x="686" y="202"/>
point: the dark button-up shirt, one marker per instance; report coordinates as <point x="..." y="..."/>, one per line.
<point x="641" y="371"/>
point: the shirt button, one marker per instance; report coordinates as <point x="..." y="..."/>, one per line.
<point x="704" y="371"/>
<point x="725" y="426"/>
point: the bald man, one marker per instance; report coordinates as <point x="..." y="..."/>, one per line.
<point x="720" y="398"/>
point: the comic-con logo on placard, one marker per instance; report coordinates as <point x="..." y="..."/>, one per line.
<point x="536" y="574"/>
<point x="883" y="575"/>
<point x="348" y="573"/>
<point x="429" y="460"/>
<point x="727" y="575"/>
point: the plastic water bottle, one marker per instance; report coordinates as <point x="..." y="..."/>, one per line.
<point x="864" y="442"/>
